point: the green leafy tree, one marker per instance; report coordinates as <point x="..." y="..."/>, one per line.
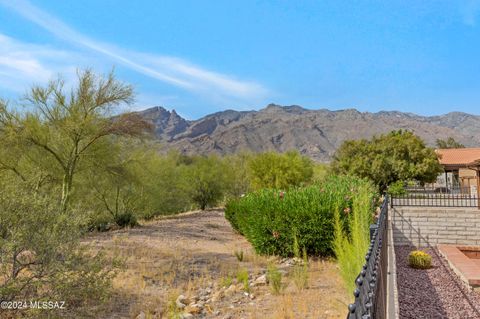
<point x="117" y="187"/>
<point x="280" y="171"/>
<point x="385" y="159"/>
<point x="206" y="178"/>
<point x="163" y="180"/>
<point x="238" y="174"/>
<point x="449" y="143"/>
<point x="67" y="130"/>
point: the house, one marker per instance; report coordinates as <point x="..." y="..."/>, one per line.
<point x="461" y="166"/>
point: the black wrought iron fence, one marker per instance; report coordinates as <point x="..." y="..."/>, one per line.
<point x="436" y="197"/>
<point x="371" y="292"/>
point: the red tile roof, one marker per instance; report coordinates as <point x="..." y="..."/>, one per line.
<point x="458" y="156"/>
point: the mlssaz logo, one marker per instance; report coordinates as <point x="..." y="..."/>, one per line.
<point x="47" y="304"/>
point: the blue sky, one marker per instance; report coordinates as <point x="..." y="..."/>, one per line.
<point x="200" y="57"/>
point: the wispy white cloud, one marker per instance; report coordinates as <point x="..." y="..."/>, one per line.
<point x="23" y="63"/>
<point x="172" y="70"/>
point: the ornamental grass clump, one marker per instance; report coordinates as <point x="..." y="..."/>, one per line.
<point x="419" y="259"/>
<point x="351" y="232"/>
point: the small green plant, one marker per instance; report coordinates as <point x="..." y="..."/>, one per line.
<point x="242" y="277"/>
<point x="419" y="260"/>
<point x="173" y="312"/>
<point x="300" y="273"/>
<point x="226" y="281"/>
<point x="274" y="277"/>
<point x="239" y="254"/>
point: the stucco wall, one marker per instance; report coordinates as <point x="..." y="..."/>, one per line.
<point x="437" y="225"/>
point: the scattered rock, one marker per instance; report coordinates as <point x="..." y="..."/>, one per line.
<point x="217" y="296"/>
<point x="141" y="315"/>
<point x="298" y="261"/>
<point x="193" y="309"/>
<point x="230" y="290"/>
<point x="186" y="315"/>
<point x="181" y="302"/>
<point x="260" y="281"/>
<point x="193" y="298"/>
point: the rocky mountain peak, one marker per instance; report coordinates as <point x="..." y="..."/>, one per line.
<point x="316" y="133"/>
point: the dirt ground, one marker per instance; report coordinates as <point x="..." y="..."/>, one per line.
<point x="193" y="254"/>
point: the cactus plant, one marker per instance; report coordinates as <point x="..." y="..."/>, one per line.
<point x="419" y="259"/>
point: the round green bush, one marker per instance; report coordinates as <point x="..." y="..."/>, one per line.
<point x="273" y="220"/>
<point x="419" y="259"/>
<point x="126" y="219"/>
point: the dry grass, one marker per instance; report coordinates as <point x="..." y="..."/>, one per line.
<point x="324" y="297"/>
<point x="179" y="255"/>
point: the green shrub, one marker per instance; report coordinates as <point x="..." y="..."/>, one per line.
<point x="126" y="219"/>
<point x="98" y="221"/>
<point x="41" y="244"/>
<point x="419" y="259"/>
<point x="273" y="220"/>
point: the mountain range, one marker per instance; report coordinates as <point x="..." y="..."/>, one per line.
<point x="315" y="133"/>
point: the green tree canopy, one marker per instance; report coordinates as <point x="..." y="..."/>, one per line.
<point x="280" y="171"/>
<point x="449" y="143"/>
<point x="396" y="156"/>
<point x="206" y="178"/>
<point x="61" y="130"/>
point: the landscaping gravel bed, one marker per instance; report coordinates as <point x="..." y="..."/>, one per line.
<point x="433" y="293"/>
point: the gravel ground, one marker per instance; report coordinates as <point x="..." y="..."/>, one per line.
<point x="433" y="293"/>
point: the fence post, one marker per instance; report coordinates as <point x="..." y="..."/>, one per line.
<point x="373" y="228"/>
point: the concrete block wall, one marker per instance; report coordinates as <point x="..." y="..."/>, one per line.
<point x="437" y="225"/>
